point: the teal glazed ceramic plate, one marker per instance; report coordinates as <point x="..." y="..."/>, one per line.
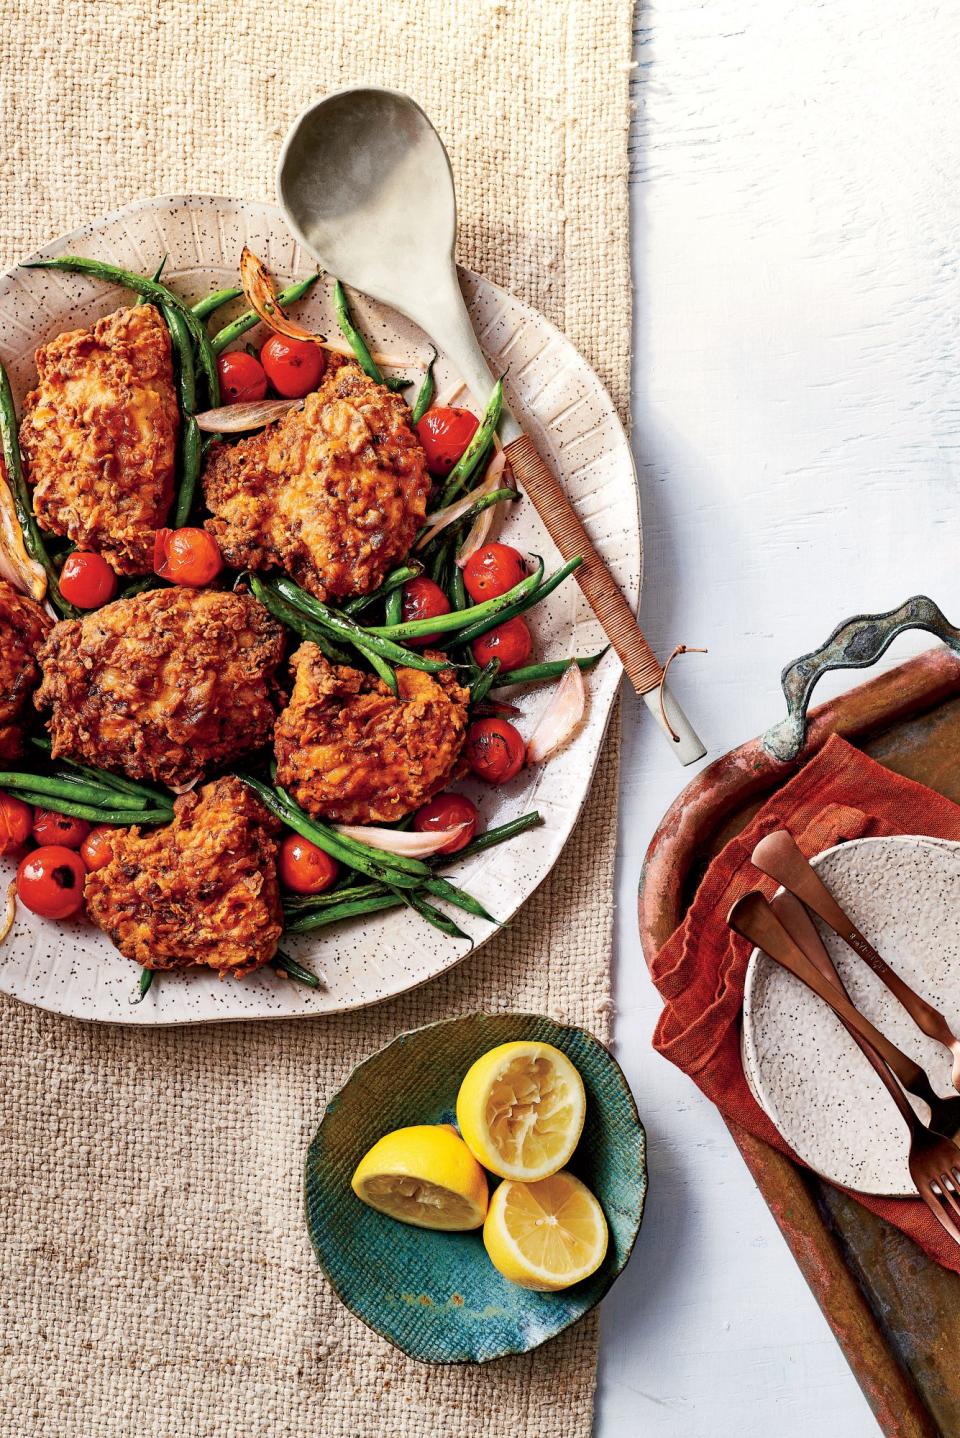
<point x="436" y="1295"/>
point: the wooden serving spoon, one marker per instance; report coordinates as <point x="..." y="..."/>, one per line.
<point x="366" y="186"/>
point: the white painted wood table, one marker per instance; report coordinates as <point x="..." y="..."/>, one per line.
<point x="797" y="427"/>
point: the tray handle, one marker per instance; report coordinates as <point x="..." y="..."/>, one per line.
<point x="855" y="644"/>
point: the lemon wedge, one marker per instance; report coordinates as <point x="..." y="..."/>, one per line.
<point x="545" y="1235"/>
<point x="521" y="1109"/>
<point x="424" y="1175"/>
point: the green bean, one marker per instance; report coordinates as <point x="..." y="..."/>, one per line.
<point x="380" y="667"/>
<point x="394" y="606"/>
<point x="353" y="336"/>
<point x="551" y="669"/>
<point x="99" y="794"/>
<point x="76" y="790"/>
<point x="32" y="538"/>
<point x="459" y="619"/>
<point x="395" y="580"/>
<point x="349" y="909"/>
<point x="189" y="472"/>
<point x="400" y="862"/>
<point x="371" y="862"/>
<point x="484" y="681"/>
<point x="396" y="382"/>
<point x="114" y="817"/>
<point x="296" y="621"/>
<point x="141" y="585"/>
<point x="442" y="889"/>
<point x="458" y="592"/>
<point x="498" y="835"/>
<point x="152" y="290"/>
<point x="425" y="393"/>
<point x="295" y="904"/>
<point x="249" y="318"/>
<point x="205" y="307"/>
<point x="183" y="345"/>
<point x="520" y="606"/>
<point x="440" y="562"/>
<point x="142" y="299"/>
<point x="284" y="964"/>
<point x="345" y="628"/>
<point x="470" y="459"/>
<point x="147" y="977"/>
<point x="104" y="778"/>
<point x="434" y="916"/>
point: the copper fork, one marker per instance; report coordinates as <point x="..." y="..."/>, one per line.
<point x="934" y="1161"/>
<point x="778" y="856"/>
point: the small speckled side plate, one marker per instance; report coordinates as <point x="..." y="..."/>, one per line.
<point x="436" y="1295"/>
<point x="73" y="968"/>
<point x="802" y="1066"/>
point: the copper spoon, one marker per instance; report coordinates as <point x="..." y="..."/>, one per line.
<point x="366" y="186"/>
<point x="778" y="857"/>
<point x="944" y="1112"/>
<point x="934" y="1161"/>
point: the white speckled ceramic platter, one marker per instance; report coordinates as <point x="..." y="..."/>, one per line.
<point x="73" y="968"/>
<point x="804" y="1069"/>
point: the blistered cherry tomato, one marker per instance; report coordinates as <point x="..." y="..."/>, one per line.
<point x="86" y="580"/>
<point x="445" y="433"/>
<point x="446" y="811"/>
<point x="511" y="643"/>
<point x="294" y="367"/>
<point x="242" y="377"/>
<point x="50" y="881"/>
<point x="186" y="556"/>
<point x="422" y="599"/>
<point x="16" y="822"/>
<point x="49" y="827"/>
<point x="494" y="750"/>
<point x="303" y="868"/>
<point x="96" y="851"/>
<point x="492" y="570"/>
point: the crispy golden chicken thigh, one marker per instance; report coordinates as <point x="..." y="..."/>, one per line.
<point x="23" y="627"/>
<point x="333" y="494"/>
<point x="99" y="436"/>
<point x="199" y="891"/>
<point x="347" y="749"/>
<point x="164" y="685"/>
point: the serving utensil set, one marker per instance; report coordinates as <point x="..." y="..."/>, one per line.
<point x="783" y="929"/>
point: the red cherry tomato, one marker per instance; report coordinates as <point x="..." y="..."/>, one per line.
<point x="186" y="556"/>
<point x="303" y="868"/>
<point x="50" y="881"/>
<point x="242" y="377"/>
<point x="446" y="811"/>
<point x="492" y="570"/>
<point x="422" y="599"/>
<point x="494" y="750"/>
<point x="16" y="822"/>
<point x="511" y="643"/>
<point x="49" y="827"/>
<point x="294" y="367"/>
<point x="86" y="580"/>
<point x="445" y="433"/>
<point x="96" y="851"/>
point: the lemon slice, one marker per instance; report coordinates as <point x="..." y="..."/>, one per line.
<point x="521" y="1109"/>
<point x="424" y="1175"/>
<point x="545" y="1235"/>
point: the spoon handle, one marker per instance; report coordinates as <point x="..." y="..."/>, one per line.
<point x="603" y="594"/>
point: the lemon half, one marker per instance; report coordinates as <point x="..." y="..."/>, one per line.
<point x="521" y="1109"/>
<point x="424" y="1175"/>
<point x="545" y="1235"/>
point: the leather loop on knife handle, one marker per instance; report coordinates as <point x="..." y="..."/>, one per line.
<point x="604" y="596"/>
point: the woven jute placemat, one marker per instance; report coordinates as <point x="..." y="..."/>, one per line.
<point x="156" y="1275"/>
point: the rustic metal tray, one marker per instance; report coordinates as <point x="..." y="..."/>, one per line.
<point x="894" y="1312"/>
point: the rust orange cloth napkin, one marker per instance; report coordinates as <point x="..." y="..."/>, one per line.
<point x="700" y="971"/>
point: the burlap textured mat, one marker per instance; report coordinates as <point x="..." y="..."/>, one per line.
<point x="156" y="1278"/>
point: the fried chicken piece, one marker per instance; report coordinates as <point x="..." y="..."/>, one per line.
<point x="23" y="627"/>
<point x="164" y="685"/>
<point x="348" y="749"/>
<point x="333" y="494"/>
<point x="200" y="891"/>
<point x="99" y="436"/>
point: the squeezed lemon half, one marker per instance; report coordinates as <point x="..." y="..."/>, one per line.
<point x="521" y="1109"/>
<point x="545" y="1235"/>
<point x="424" y="1175"/>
